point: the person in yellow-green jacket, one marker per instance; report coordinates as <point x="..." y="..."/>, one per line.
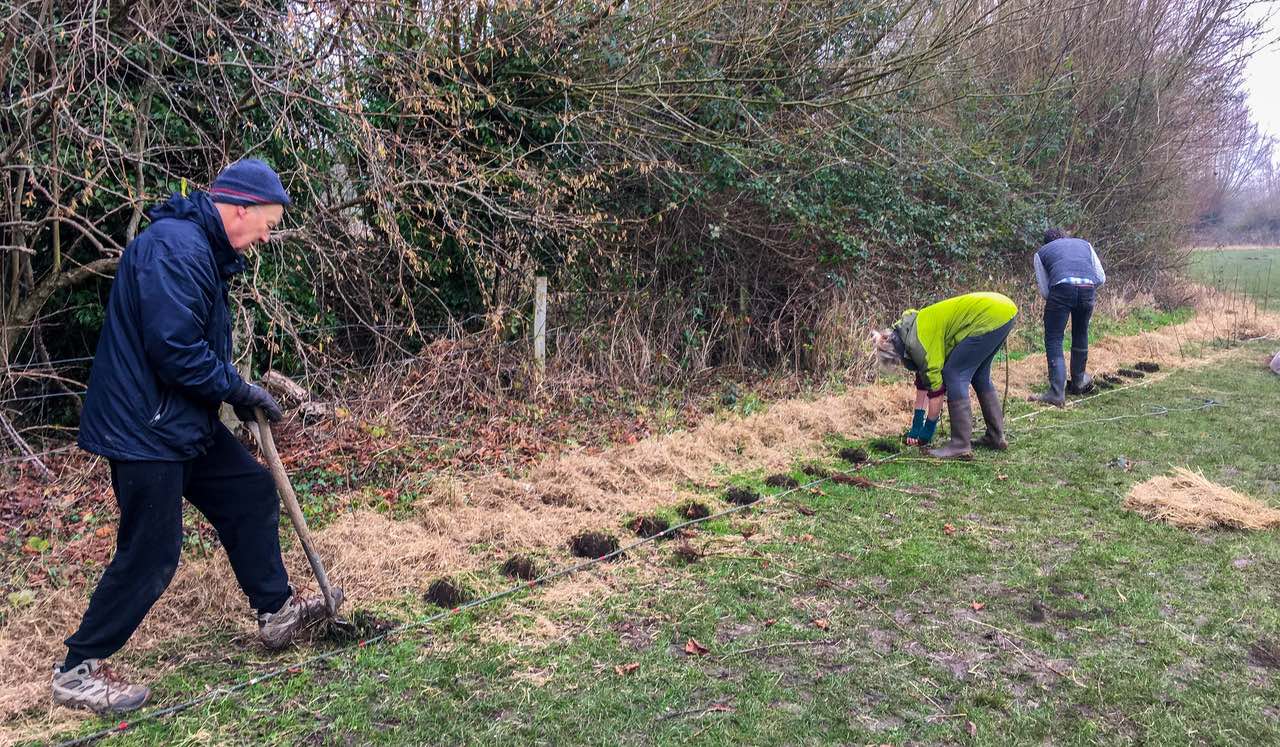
<point x="949" y="345"/>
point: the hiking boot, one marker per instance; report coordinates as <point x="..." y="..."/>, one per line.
<point x="960" y="412"/>
<point x="993" y="414"/>
<point x="277" y="629"/>
<point x="94" y="686"/>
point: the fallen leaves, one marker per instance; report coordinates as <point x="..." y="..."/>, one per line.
<point x="821" y="623"/>
<point x="693" y="648"/>
<point x="625" y="669"/>
<point x="977" y="606"/>
<point x="948" y="529"/>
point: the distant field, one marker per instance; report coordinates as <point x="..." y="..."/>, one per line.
<point x="1249" y="269"/>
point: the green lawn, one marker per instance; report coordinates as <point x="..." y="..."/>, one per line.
<point x="1255" y="272"/>
<point x="1010" y="600"/>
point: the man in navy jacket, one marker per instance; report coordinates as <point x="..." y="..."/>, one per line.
<point x="162" y="369"/>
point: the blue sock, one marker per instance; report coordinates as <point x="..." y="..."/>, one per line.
<point x="917" y="423"/>
<point x="927" y="430"/>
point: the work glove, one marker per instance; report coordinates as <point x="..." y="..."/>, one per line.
<point x="246" y="397"/>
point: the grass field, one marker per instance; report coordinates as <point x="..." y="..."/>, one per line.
<point x="1010" y="600"/>
<point x="1251" y="270"/>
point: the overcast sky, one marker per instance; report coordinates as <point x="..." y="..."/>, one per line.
<point x="1263" y="80"/>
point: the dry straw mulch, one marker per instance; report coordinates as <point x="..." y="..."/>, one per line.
<point x="375" y="558"/>
<point x="1187" y="499"/>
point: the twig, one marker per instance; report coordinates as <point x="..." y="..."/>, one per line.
<point x="28" y="454"/>
<point x="1010" y="635"/>
<point x="783" y="644"/>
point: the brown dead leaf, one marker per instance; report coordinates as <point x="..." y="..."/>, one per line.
<point x="625" y="669"/>
<point x="972" y="728"/>
<point x="821" y="623"/>
<point x="805" y="510"/>
<point x="805" y="538"/>
<point x="720" y="708"/>
<point x="977" y="606"/>
<point x="771" y="622"/>
<point x="104" y="531"/>
<point x="693" y="648"/>
<point x="949" y="529"/>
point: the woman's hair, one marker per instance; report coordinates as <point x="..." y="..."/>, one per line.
<point x="886" y="354"/>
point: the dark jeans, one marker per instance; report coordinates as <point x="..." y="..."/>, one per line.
<point x="969" y="362"/>
<point x="1066" y="301"/>
<point x="1074" y="302"/>
<point x="236" y="495"/>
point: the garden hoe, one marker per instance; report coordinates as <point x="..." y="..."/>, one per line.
<point x="290" y="500"/>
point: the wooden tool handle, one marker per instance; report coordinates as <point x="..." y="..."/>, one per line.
<point x="290" y="500"/>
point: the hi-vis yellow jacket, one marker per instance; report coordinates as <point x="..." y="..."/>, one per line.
<point x="931" y="333"/>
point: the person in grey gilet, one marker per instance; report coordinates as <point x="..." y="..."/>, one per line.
<point x="1068" y="272"/>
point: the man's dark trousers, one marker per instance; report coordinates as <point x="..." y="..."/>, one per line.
<point x="1074" y="302"/>
<point x="236" y="495"/>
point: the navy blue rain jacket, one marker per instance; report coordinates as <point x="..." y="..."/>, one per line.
<point x="163" y="363"/>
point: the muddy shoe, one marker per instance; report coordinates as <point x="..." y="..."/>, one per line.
<point x="277" y="629"/>
<point x="94" y="686"/>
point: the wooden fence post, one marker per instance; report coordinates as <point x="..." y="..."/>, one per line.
<point x="540" y="323"/>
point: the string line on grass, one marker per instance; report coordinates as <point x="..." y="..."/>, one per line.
<point x="225" y="692"/>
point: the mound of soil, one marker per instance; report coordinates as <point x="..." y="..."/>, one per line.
<point x="1147" y="366"/>
<point x="1129" y="373"/>
<point x="364" y="625"/>
<point x="593" y="545"/>
<point x="885" y="445"/>
<point x="815" y="470"/>
<point x="741" y="496"/>
<point x="649" y="526"/>
<point x="446" y="592"/>
<point x="686" y="552"/>
<point x="781" y="480"/>
<point x="840" y="478"/>
<point x="854" y="454"/>
<point x="520" y="566"/>
<point x="694" y="510"/>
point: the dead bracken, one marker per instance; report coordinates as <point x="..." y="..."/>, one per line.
<point x="1147" y="366"/>
<point x="854" y="454"/>
<point x="520" y="566"/>
<point x="593" y="545"/>
<point x="694" y="510"/>
<point x="446" y="592"/>
<point x="741" y="496"/>
<point x="649" y="526"/>
<point x="781" y="480"/>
